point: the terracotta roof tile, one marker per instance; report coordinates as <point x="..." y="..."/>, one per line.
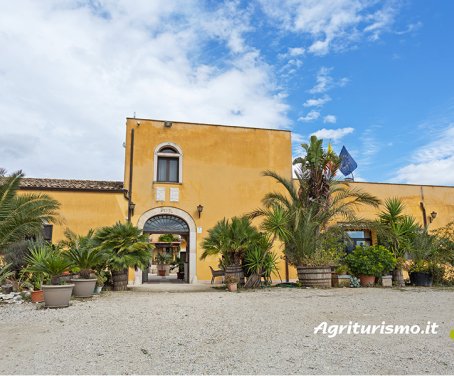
<point x="69" y="184"/>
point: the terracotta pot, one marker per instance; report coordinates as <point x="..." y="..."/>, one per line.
<point x="232" y="287"/>
<point x="37" y="296"/>
<point x="163" y="270"/>
<point x="83" y="288"/>
<point x="366" y="280"/>
<point x="57" y="296"/>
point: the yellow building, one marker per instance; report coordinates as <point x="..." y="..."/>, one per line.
<point x="181" y="178"/>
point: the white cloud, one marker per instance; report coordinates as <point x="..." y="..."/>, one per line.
<point x="432" y="163"/>
<point x="331" y="119"/>
<point x="317" y="102"/>
<point x="332" y="24"/>
<point x="333" y="134"/>
<point x="311" y="116"/>
<point x="324" y="81"/>
<point x="72" y="71"/>
<point x="296" y="51"/>
<point x="299" y="138"/>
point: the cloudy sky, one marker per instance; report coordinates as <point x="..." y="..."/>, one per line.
<point x="375" y="76"/>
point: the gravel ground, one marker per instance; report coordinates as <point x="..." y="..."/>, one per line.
<point x="268" y="331"/>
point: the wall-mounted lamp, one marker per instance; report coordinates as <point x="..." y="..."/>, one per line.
<point x="199" y="209"/>
<point x="433" y="215"/>
<point x="132" y="207"/>
<point x="168" y="124"/>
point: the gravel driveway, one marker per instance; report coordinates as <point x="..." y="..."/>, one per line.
<point x="268" y="331"/>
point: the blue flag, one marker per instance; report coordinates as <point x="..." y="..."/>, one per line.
<point x="348" y="164"/>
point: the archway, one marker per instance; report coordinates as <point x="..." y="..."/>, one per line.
<point x="168" y="220"/>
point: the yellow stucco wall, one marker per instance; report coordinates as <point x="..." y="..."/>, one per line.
<point x="82" y="210"/>
<point x="222" y="169"/>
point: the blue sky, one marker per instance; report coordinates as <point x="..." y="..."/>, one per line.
<point x="375" y="76"/>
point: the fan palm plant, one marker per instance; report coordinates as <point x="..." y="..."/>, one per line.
<point x="230" y="239"/>
<point x="125" y="246"/>
<point x="23" y="215"/>
<point x="5" y="273"/>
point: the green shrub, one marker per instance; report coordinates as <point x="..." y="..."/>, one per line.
<point x="375" y="260"/>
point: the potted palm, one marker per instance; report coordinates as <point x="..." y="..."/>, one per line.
<point x="230" y="239"/>
<point x="83" y="258"/>
<point x="125" y="246"/>
<point x="5" y="273"/>
<point x="163" y="264"/>
<point x="48" y="260"/>
<point x="367" y="263"/>
<point x="425" y="253"/>
<point x="101" y="279"/>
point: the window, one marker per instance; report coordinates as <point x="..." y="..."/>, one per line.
<point x="360" y="237"/>
<point x="168" y="163"/>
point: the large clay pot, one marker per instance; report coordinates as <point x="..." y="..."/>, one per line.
<point x="57" y="296"/>
<point x="83" y="288"/>
<point x="366" y="280"/>
<point x="314" y="276"/>
<point x="232" y="287"/>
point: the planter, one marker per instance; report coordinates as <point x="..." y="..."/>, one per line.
<point x="180" y="275"/>
<point x="120" y="280"/>
<point x="163" y="270"/>
<point x="344" y="280"/>
<point x="235" y="272"/>
<point x="97" y="290"/>
<point x="366" y="280"/>
<point x="83" y="288"/>
<point x="421" y="279"/>
<point x="57" y="296"/>
<point x="37" y="296"/>
<point x="387" y="281"/>
<point x="314" y="276"/>
<point x="398" y="277"/>
<point x="232" y="287"/>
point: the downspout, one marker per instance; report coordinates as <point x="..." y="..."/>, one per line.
<point x="131" y="159"/>
<point x="423" y="209"/>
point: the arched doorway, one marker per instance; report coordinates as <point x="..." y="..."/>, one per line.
<point x="168" y="220"/>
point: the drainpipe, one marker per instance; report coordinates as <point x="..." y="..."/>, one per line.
<point x="131" y="158"/>
<point x="423" y="209"/>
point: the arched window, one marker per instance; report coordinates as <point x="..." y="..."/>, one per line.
<point x="168" y="163"/>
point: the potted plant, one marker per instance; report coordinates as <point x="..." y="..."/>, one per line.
<point x="83" y="258"/>
<point x="125" y="246"/>
<point x="163" y="264"/>
<point x="342" y="276"/>
<point x="100" y="280"/>
<point x="232" y="282"/>
<point x="367" y="263"/>
<point x="425" y="253"/>
<point x="48" y="260"/>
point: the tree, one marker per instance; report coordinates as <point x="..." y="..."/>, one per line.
<point x="309" y="209"/>
<point x="22" y="216"/>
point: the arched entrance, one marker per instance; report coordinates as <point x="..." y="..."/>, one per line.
<point x="168" y="220"/>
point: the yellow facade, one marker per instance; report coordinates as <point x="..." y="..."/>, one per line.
<point x="221" y="170"/>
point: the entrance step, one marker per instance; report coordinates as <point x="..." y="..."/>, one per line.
<point x="171" y="287"/>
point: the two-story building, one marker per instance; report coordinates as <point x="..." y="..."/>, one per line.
<point x="181" y="178"/>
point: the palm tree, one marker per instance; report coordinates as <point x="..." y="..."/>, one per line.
<point x="230" y="239"/>
<point x="396" y="231"/>
<point x="125" y="246"/>
<point x="22" y="216"/>
<point x="307" y="211"/>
